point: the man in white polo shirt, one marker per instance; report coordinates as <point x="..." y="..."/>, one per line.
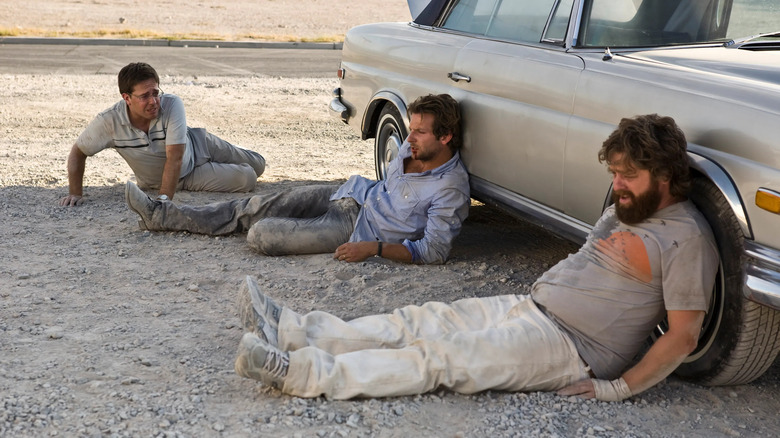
<point x="149" y="130"/>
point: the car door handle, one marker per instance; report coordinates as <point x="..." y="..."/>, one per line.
<point x="457" y="77"/>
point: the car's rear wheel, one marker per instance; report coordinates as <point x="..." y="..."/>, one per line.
<point x="739" y="339"/>
<point x="390" y="135"/>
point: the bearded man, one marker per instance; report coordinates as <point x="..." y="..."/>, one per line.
<point x="651" y="255"/>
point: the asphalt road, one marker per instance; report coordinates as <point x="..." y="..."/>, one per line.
<point x="206" y="61"/>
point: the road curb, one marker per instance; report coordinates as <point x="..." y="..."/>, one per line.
<point x="170" y="43"/>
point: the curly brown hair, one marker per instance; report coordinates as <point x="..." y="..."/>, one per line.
<point x="655" y="143"/>
<point x="446" y="116"/>
<point x="134" y="73"/>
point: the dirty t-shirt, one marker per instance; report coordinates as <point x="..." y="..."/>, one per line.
<point x="611" y="294"/>
<point x="144" y="153"/>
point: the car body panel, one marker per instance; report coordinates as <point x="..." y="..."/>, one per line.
<point x="536" y="113"/>
<point x="402" y="54"/>
<point x="539" y="108"/>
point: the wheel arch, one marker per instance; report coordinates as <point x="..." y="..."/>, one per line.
<point x="374" y="108"/>
<point x="717" y="175"/>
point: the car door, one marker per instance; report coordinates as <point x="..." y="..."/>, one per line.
<point x="517" y="94"/>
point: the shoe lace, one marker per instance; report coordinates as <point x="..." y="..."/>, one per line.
<point x="277" y="363"/>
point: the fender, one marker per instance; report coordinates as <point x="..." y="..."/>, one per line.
<point x="725" y="184"/>
<point x="374" y="107"/>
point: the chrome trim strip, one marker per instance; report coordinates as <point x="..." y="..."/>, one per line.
<point x="574" y="35"/>
<point x="536" y="213"/>
<point x="764" y="255"/>
<point x="723" y="182"/>
<point x="762" y="275"/>
<point x="769" y="191"/>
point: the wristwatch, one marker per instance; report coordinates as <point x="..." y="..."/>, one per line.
<point x="162" y="197"/>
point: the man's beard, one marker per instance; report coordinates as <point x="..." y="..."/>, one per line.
<point x="421" y="155"/>
<point x="641" y="207"/>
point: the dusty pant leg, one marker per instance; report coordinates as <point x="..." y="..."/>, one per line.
<point x="239" y="215"/>
<point x="276" y="236"/>
<point x="220" y="177"/>
<point x="222" y="151"/>
<point x="526" y="352"/>
<point x="432" y="320"/>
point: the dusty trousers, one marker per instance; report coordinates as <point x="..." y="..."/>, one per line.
<point x="220" y="166"/>
<point x="471" y="345"/>
<point x="298" y="220"/>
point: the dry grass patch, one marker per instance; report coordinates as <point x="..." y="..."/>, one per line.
<point x="148" y="34"/>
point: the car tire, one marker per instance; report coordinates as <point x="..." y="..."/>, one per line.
<point x="390" y="135"/>
<point x="739" y="338"/>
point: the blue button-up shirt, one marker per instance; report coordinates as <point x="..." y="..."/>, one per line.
<point x="423" y="211"/>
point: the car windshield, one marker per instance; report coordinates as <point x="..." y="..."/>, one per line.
<point x="650" y="23"/>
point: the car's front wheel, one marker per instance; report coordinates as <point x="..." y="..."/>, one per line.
<point x="390" y="135"/>
<point x="739" y="339"/>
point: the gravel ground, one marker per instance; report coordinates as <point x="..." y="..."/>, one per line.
<point x="106" y="330"/>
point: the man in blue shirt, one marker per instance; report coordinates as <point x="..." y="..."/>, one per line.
<point x="411" y="216"/>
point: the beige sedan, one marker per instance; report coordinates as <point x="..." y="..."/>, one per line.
<point x="543" y="82"/>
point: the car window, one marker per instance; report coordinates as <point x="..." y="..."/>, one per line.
<point x="560" y="21"/>
<point x="648" y="23"/>
<point x="472" y="16"/>
<point x="503" y="19"/>
<point x="753" y="17"/>
<point x="520" y="20"/>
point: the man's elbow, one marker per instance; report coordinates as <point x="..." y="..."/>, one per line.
<point x="691" y="343"/>
<point x="433" y="256"/>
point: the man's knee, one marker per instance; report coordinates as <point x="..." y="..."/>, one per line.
<point x="247" y="179"/>
<point x="260" y="240"/>
<point x="257" y="162"/>
<point x="275" y="236"/>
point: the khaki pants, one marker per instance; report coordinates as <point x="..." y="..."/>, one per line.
<point x="221" y="166"/>
<point x="471" y="345"/>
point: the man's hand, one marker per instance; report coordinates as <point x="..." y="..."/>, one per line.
<point x="355" y="251"/>
<point x="77" y="161"/>
<point x="582" y="389"/>
<point x="604" y="390"/>
<point x="71" y="201"/>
